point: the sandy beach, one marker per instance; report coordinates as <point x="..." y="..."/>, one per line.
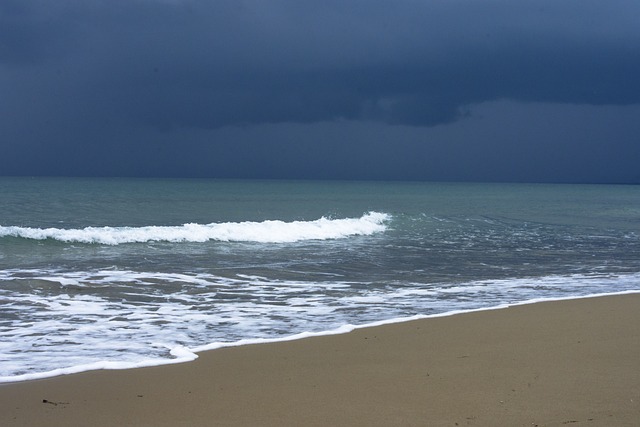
<point x="573" y="362"/>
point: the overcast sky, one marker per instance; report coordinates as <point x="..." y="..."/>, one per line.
<point x="457" y="90"/>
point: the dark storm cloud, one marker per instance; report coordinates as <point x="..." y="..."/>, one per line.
<point x="110" y="74"/>
<point x="215" y="63"/>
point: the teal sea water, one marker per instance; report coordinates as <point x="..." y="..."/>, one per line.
<point x="118" y="273"/>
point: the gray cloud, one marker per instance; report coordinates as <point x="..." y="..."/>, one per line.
<point x="210" y="64"/>
<point x="89" y="72"/>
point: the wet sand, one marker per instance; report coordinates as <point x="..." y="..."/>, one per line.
<point x="559" y="363"/>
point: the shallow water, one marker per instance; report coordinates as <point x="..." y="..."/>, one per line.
<point x="127" y="271"/>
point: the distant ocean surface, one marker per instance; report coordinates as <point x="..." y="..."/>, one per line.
<point x="118" y="273"/>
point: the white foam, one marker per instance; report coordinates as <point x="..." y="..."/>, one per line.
<point x="62" y="332"/>
<point x="271" y="231"/>
<point x="183" y="354"/>
<point x="349" y="327"/>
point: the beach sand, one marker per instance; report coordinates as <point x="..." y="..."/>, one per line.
<point x="561" y="363"/>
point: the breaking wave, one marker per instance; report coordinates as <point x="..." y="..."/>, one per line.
<point x="271" y="231"/>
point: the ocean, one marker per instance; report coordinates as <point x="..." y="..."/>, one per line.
<point x="121" y="273"/>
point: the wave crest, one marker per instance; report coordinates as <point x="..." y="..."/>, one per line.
<point x="271" y="231"/>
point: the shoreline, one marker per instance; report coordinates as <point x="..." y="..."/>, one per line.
<point x="186" y="355"/>
<point x="547" y="363"/>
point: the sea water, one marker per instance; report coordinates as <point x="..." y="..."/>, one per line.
<point x="118" y="273"/>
